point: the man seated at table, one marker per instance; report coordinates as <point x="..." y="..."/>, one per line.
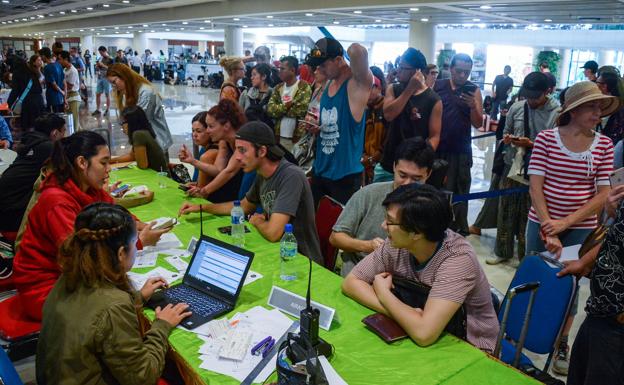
<point x="280" y="187"/>
<point x="358" y="230"/>
<point x="422" y="248"/>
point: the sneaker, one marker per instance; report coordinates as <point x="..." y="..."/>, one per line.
<point x="495" y="260"/>
<point x="474" y="230"/>
<point x="106" y="112"/>
<point x="96" y="113"/>
<point x="560" y="364"/>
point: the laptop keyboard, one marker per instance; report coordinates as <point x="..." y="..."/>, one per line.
<point x="200" y="304"/>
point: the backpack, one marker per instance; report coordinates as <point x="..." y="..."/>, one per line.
<point x="257" y="111"/>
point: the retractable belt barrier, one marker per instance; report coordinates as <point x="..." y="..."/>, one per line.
<point x="489" y="194"/>
<point x="484" y="135"/>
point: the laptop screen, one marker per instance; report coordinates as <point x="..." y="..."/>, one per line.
<point x="218" y="266"/>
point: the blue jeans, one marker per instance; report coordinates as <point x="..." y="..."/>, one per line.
<point x="568" y="238"/>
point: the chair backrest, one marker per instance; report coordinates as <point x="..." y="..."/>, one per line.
<point x="551" y="306"/>
<point x="8" y="374"/>
<point x="326" y="216"/>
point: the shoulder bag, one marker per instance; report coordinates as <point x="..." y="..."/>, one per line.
<point x="17" y="105"/>
<point x="520" y="166"/>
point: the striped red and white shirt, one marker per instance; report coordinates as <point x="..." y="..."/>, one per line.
<point x="570" y="178"/>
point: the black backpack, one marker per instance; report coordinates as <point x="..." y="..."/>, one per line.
<point x="257" y="111"/>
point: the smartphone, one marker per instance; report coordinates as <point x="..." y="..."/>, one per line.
<point x="163" y="223"/>
<point x="228" y="230"/>
<point x="617" y="177"/>
<point x="468" y="88"/>
<point x="310" y="123"/>
<point x="119" y="191"/>
<point x="184" y="187"/>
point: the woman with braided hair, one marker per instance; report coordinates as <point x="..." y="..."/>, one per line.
<point x="90" y="331"/>
<point x="80" y="170"/>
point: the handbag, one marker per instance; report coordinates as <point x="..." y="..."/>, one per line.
<point x="303" y="150"/>
<point x="593" y="239"/>
<point x="17" y="105"/>
<point x="415" y="294"/>
<point x="520" y="166"/>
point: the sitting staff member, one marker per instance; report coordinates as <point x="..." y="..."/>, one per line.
<point x="145" y="149"/>
<point x="90" y="331"/>
<point x="80" y="165"/>
<point x="422" y="248"/>
<point x="358" y="230"/>
<point x="280" y="187"/>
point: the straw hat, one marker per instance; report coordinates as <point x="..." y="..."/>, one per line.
<point x="583" y="92"/>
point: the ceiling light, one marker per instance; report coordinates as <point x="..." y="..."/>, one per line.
<point x="73" y="11"/>
<point x="116" y="27"/>
<point x="485" y="7"/>
<point x="32" y="18"/>
<point x="269" y="17"/>
<point x="181" y="29"/>
<point x="102" y="29"/>
<point x="236" y="19"/>
<point x="548" y="20"/>
<point x="309" y="14"/>
<point x="139" y="31"/>
<point x="55" y="33"/>
<point x="476" y="19"/>
<point x="152" y="30"/>
<point x="92" y="29"/>
<point x="167" y="29"/>
<point x="185" y="22"/>
<point x="206" y="21"/>
<point x="125" y="1"/>
<point x="62" y="12"/>
<point x="5" y="1"/>
<point x="377" y="20"/>
<point x="357" y="12"/>
<point x="4" y="22"/>
<point x="105" y="5"/>
<point x="97" y="33"/>
<point x="164" y="24"/>
<point x="424" y="19"/>
<point x="40" y="16"/>
<point x="245" y="26"/>
<point x="82" y="30"/>
<point x="271" y="25"/>
<point x="50" y="14"/>
<point x="145" y="25"/>
<point x="202" y="28"/>
<point x="89" y="8"/>
<point x="414" y="9"/>
<point x="116" y="31"/>
<point x="25" y="19"/>
<point x="336" y="22"/>
<point x="130" y="27"/>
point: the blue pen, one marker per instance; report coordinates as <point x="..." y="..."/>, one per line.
<point x="256" y="349"/>
<point x="268" y="347"/>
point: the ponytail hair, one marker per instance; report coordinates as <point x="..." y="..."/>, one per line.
<point x="89" y="256"/>
<point x="228" y="111"/>
<point x="66" y="150"/>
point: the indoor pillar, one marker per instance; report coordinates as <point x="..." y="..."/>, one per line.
<point x="422" y="37"/>
<point x="233" y="41"/>
<point x="140" y="42"/>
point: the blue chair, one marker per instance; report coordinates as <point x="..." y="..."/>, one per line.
<point x="8" y="374"/>
<point x="534" y="311"/>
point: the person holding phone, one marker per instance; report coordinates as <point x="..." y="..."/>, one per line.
<point x="462" y="109"/>
<point x="569" y="170"/>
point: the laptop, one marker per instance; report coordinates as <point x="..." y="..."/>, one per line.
<point x="211" y="284"/>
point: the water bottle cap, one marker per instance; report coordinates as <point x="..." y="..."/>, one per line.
<point x="288" y="228"/>
<point x="236" y="203"/>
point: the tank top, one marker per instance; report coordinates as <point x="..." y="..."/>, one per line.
<point x="229" y="191"/>
<point x="456" y="126"/>
<point x="340" y="143"/>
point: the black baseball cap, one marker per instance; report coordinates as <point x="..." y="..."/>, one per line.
<point x="261" y="134"/>
<point x="534" y="85"/>
<point x="591" y="65"/>
<point x="324" y="49"/>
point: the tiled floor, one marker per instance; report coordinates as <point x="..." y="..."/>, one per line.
<point x="182" y="103"/>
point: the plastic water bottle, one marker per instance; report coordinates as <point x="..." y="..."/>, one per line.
<point x="238" y="225"/>
<point x="288" y="252"/>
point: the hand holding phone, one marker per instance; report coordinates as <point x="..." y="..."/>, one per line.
<point x="617" y="177"/>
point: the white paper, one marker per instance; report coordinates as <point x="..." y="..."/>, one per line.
<point x="262" y="323"/>
<point x="175" y="252"/>
<point x="236" y="345"/>
<point x="167" y="241"/>
<point x="569" y="253"/>
<point x="252" y="276"/>
<point x="145" y="260"/>
<point x="178" y="263"/>
<point x="330" y="373"/>
<point x="138" y="280"/>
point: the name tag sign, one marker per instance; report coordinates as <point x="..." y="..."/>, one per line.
<point x="292" y="304"/>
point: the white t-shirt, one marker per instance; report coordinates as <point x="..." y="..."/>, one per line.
<point x="73" y="83"/>
<point x="136" y="61"/>
<point x="288" y="124"/>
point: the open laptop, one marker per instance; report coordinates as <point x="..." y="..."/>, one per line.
<point x="211" y="284"/>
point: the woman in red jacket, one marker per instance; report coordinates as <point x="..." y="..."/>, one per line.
<point x="80" y="170"/>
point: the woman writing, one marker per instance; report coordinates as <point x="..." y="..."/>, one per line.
<point x="145" y="150"/>
<point x="90" y="331"/>
<point x="222" y="120"/>
<point x="235" y="70"/>
<point x="80" y="171"/>
<point x="132" y="89"/>
<point x="569" y="180"/>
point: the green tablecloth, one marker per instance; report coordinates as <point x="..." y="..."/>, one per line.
<point x="360" y="356"/>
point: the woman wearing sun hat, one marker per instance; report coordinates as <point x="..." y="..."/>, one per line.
<point x="569" y="170"/>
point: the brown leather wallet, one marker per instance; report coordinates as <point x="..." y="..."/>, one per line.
<point x="385" y="327"/>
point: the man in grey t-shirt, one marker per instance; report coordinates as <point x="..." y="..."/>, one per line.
<point x="358" y="230"/>
<point x="280" y="187"/>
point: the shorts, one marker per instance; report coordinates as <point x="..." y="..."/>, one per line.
<point x="103" y="86"/>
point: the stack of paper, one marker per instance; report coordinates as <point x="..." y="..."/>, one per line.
<point x="258" y="321"/>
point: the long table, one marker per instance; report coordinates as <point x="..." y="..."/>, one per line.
<point x="360" y="357"/>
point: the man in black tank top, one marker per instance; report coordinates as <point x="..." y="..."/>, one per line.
<point x="412" y="109"/>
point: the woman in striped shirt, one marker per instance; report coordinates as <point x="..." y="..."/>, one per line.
<point x="569" y="170"/>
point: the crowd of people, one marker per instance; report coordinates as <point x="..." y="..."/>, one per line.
<point x="377" y="141"/>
